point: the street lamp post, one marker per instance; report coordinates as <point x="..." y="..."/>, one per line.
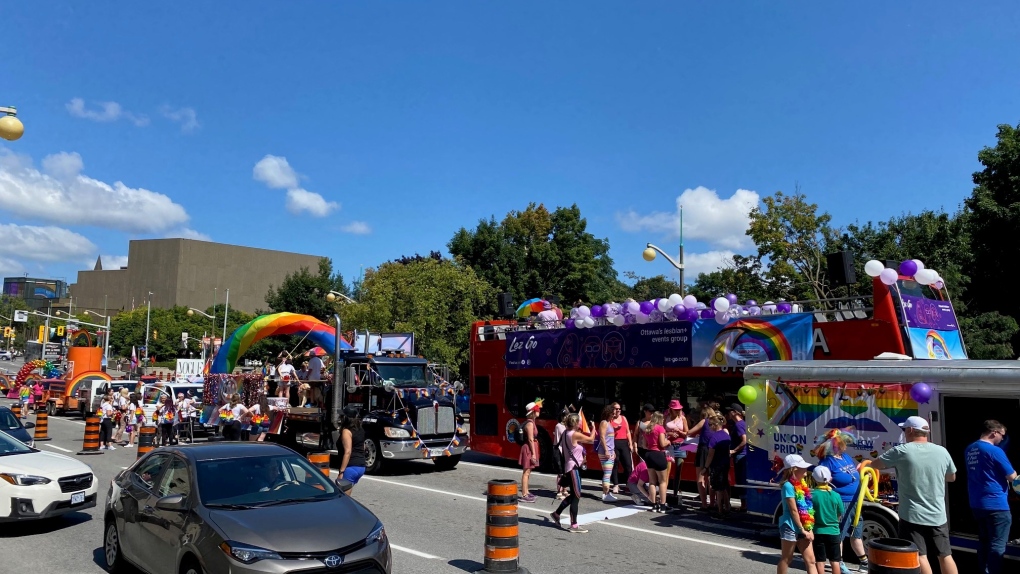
<point x="106" y="337"/>
<point x="226" y="311"/>
<point x="148" y="314"/>
<point x="11" y="127"/>
<point x="191" y="313"/>
<point x="650" y="250"/>
<point x="334" y="295"/>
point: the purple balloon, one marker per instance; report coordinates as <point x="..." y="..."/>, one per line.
<point x="646" y="307"/>
<point x="692" y="315"/>
<point x="679" y="311"/>
<point x="629" y="319"/>
<point x="707" y="313"/>
<point x="750" y="303"/>
<point x="732" y="298"/>
<point x="569" y="324"/>
<point x="784" y="308"/>
<point x="598" y="311"/>
<point x="920" y="392"/>
<point x="908" y="268"/>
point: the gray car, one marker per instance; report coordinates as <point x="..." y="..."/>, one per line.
<point x="238" y="508"/>
<point x="14" y="427"/>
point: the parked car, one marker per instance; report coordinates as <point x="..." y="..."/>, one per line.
<point x="41" y="484"/>
<point x="239" y="508"/>
<point x="6" y="356"/>
<point x="13" y="426"/>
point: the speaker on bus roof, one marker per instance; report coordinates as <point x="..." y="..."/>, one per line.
<point x="841" y="268"/>
<point x="554" y="299"/>
<point x="505" y="305"/>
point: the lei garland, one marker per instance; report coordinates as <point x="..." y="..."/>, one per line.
<point x="804" y="506"/>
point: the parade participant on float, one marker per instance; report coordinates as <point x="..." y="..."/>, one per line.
<point x="231" y="414"/>
<point x="287" y="375"/>
<point x="606" y="449"/>
<point x="352" y="441"/>
<point x="796" y="525"/>
<point x="573" y="455"/>
<point x="529" y="458"/>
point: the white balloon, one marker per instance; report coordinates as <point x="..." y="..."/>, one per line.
<point x="641" y="318"/>
<point x="721" y="304"/>
<point x="589" y="322"/>
<point x="768" y="308"/>
<point x="618" y="320"/>
<point x="721" y="318"/>
<point x="675" y="300"/>
<point x="690" y="301"/>
<point x="925" y="276"/>
<point x="663" y="305"/>
<point x="583" y="311"/>
<point x="579" y="323"/>
<point x="873" y="268"/>
<point x="917" y="262"/>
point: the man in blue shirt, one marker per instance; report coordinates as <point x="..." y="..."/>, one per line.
<point x="989" y="476"/>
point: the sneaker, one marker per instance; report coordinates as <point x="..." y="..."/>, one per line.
<point x="608" y="497"/>
<point x="561" y="495"/>
<point x="654" y="508"/>
<point x="111" y="447"/>
<point x="576" y="529"/>
<point x="101" y="447"/>
<point x="529" y="498"/>
<point x="843" y="569"/>
<point x="663" y="509"/>
<point x="616" y="489"/>
<point x="637" y="499"/>
<point x="555" y="518"/>
<point x="863" y="566"/>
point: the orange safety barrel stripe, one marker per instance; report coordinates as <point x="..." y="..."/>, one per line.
<point x="503" y="489"/>
<point x="502" y="553"/>
<point x="501" y="531"/>
<point x="501" y="510"/>
<point x="894" y="559"/>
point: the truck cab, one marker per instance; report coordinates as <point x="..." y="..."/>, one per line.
<point x="409" y="410"/>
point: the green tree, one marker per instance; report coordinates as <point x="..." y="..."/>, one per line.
<point x="436" y="300"/>
<point x="127" y="330"/>
<point x="305" y="292"/>
<point x="742" y="275"/>
<point x="994" y="205"/>
<point x="535" y="253"/>
<point x="23" y="331"/>
<point x="649" y="288"/>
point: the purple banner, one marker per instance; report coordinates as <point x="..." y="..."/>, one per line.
<point x="929" y="314"/>
<point x="650" y="345"/>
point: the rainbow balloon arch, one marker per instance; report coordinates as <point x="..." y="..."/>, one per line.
<point x="277" y="324"/>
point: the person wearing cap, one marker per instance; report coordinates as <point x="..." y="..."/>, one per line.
<point x="796" y="524"/>
<point x="547" y="317"/>
<point x="676" y="432"/>
<point x="828" y="511"/>
<point x="922" y="471"/>
<point x="738" y="449"/>
<point x="352" y="441"/>
<point x="529" y="450"/>
<point x="989" y="478"/>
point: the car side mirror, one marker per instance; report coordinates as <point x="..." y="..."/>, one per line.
<point x="29" y="425"/>
<point x="174" y="503"/>
<point x="344" y="485"/>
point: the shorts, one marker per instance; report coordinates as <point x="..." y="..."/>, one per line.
<point x="788" y="534"/>
<point x="354" y="473"/>
<point x="656" y="460"/>
<point x="922" y="536"/>
<point x="719" y="478"/>
<point x="701" y="456"/>
<point x="827" y="548"/>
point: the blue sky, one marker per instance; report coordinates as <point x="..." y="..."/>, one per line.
<point x="391" y="125"/>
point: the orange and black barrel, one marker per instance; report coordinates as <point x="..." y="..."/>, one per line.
<point x="320" y="460"/>
<point x="146" y="440"/>
<point x="90" y="443"/>
<point x="16" y="409"/>
<point x="893" y="556"/>
<point x="502" y="544"/>
<point x="42" y="426"/>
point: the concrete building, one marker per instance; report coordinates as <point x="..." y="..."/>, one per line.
<point x="189" y="273"/>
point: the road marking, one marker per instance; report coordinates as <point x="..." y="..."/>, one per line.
<point x="588" y="481"/>
<point x="598" y="517"/>
<point x="82" y="423"/>
<point x="608" y="514"/>
<point x="417" y="553"/>
<point x="58" y="448"/>
<point x="689" y="539"/>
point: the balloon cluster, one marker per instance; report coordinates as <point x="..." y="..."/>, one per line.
<point x="673" y="308"/>
<point x="912" y="268"/>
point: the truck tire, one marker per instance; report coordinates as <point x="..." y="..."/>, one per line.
<point x="373" y="456"/>
<point x="447" y="462"/>
<point x="51" y="409"/>
<point x="877" y="525"/>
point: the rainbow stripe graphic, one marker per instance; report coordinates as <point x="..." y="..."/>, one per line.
<point x="895" y="403"/>
<point x="759" y="337"/>
<point x="937" y="348"/>
<point x="270" y="326"/>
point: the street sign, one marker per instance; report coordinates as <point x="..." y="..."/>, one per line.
<point x="73" y="327"/>
<point x="184" y="336"/>
<point x="188" y="368"/>
<point x="51" y="351"/>
<point x="21" y="316"/>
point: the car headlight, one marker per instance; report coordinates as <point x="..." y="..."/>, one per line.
<point x="378" y="534"/>
<point x="247" y="553"/>
<point x="393" y="432"/>
<point x="24" y="479"/>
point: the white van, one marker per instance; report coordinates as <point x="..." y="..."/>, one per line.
<point x="154" y="394"/>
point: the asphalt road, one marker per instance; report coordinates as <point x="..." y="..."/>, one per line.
<point x="435" y="521"/>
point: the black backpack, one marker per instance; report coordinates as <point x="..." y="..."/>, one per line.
<point x="519" y="436"/>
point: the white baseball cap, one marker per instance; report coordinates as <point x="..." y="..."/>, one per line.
<point x="795" y="461"/>
<point x="531" y="407"/>
<point x="822" y="475"/>
<point x="916" y="423"/>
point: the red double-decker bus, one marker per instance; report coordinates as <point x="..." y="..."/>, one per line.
<point x="512" y="363"/>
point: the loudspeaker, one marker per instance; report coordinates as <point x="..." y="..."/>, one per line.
<point x="505" y="305"/>
<point x="841" y="268"/>
<point x="553" y="299"/>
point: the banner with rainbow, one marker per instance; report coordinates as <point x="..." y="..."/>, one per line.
<point x="752" y="340"/>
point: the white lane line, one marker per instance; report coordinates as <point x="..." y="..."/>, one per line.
<point x="417" y="553"/>
<point x="607" y="514"/>
<point x="689" y="539"/>
<point x="517" y="471"/>
<point x="82" y="423"/>
<point x="595" y="515"/>
<point x="57" y="447"/>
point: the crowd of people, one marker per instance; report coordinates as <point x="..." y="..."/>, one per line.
<point x="281" y="376"/>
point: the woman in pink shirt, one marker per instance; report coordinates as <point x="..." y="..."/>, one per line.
<point x="624" y="448"/>
<point x="656" y="443"/>
<point x="676" y="432"/>
<point x="573" y="455"/>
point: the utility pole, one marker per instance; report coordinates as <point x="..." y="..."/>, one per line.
<point x="148" y="314"/>
<point x="226" y="311"/>
<point x="681" y="266"/>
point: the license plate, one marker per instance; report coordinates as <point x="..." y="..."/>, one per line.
<point x="78" y="498"/>
<point x="434" y="452"/>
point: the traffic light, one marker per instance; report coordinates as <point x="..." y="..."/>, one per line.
<point x="155" y="334"/>
<point x="60" y="330"/>
<point x="7" y="332"/>
<point x="42" y="333"/>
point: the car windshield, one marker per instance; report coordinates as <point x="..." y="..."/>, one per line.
<point x="8" y="421"/>
<point x="10" y="445"/>
<point x="404" y="375"/>
<point x="253" y="482"/>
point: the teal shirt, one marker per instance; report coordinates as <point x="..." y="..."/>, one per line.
<point x="828" y="509"/>
<point x="921" y="469"/>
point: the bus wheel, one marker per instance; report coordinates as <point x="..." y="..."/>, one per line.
<point x="373" y="456"/>
<point x="447" y="462"/>
<point x="876" y="525"/>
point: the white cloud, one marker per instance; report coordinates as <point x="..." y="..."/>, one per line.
<point x="10" y="267"/>
<point x="50" y="244"/>
<point x="186" y="233"/>
<point x="184" y="116"/>
<point x="60" y="193"/>
<point x="707" y="217"/>
<point x="299" y="200"/>
<point x="275" y="172"/>
<point x="113" y="261"/>
<point x="697" y="263"/>
<point x="106" y="112"/>
<point x="357" y="228"/>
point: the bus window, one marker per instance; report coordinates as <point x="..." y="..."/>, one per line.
<point x="555" y="394"/>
